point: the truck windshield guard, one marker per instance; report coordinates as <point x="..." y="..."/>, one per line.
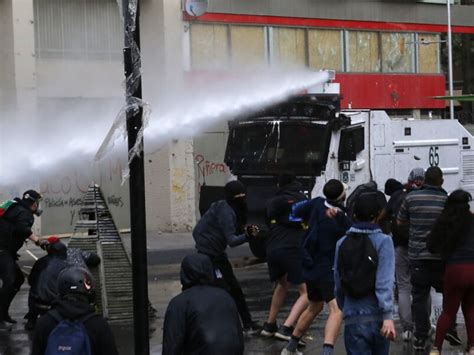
<point x="270" y="146"/>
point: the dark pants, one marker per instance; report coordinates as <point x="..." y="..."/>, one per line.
<point x="12" y="279"/>
<point x="424" y="275"/>
<point x="458" y="290"/>
<point x="365" y="339"/>
<point x="229" y="282"/>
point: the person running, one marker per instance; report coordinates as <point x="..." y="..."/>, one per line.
<point x="327" y="224"/>
<point x="364" y="269"/>
<point x="453" y="238"/>
<point x="284" y="254"/>
<point x="420" y="210"/>
<point x="203" y="319"/>
<point x="224" y="224"/>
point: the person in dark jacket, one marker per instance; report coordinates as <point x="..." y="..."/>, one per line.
<point x="15" y="229"/>
<point x="453" y="238"/>
<point x="327" y="223"/>
<point x="284" y="255"/>
<point x="75" y="286"/>
<point x="397" y="193"/>
<point x="43" y="280"/>
<point x="224" y="224"/>
<point x="203" y="319"/>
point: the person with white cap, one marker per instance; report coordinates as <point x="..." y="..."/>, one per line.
<point x="327" y="222"/>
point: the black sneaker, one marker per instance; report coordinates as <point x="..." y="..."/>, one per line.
<point x="269" y="329"/>
<point x="419" y="344"/>
<point x="4" y="326"/>
<point x="252" y="329"/>
<point x="284" y="333"/>
<point x="453" y="337"/>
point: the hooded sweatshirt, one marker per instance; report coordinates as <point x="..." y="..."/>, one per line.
<point x="15" y="226"/>
<point x="100" y="335"/>
<point x="203" y="319"/>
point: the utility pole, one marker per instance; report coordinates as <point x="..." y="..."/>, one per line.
<point x="132" y="63"/>
<point x="450" y="62"/>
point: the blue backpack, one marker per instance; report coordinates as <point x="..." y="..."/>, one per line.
<point x="69" y="337"/>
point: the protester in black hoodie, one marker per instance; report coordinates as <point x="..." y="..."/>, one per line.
<point x="284" y="255"/>
<point x="224" y="224"/>
<point x="75" y="286"/>
<point x="15" y="228"/>
<point x="203" y="319"/>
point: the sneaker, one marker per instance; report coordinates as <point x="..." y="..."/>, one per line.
<point x="434" y="351"/>
<point x="407" y="335"/>
<point x="5" y="327"/>
<point x="284" y="333"/>
<point x="419" y="344"/>
<point x="9" y="319"/>
<point x="285" y="351"/>
<point x="269" y="329"/>
<point x="252" y="329"/>
<point x="453" y="337"/>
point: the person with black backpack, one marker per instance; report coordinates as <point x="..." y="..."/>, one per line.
<point x="72" y="324"/>
<point x="364" y="275"/>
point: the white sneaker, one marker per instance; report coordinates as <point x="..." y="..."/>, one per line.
<point x="407" y="335"/>
<point x="285" y="351"/>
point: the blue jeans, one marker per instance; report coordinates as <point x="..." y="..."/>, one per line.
<point x="365" y="339"/>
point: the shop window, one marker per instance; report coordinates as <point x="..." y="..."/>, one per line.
<point x="428" y="53"/>
<point x="288" y="46"/>
<point x="363" y="51"/>
<point x="209" y="46"/>
<point x="398" y="52"/>
<point x="325" y="49"/>
<point x="248" y="46"/>
<point x="351" y="142"/>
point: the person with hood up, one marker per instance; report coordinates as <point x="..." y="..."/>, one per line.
<point x="76" y="290"/>
<point x="203" y="319"/>
<point x="224" y="224"/>
<point x="43" y="280"/>
<point x="284" y="254"/>
<point x="327" y="223"/>
<point x="16" y="221"/>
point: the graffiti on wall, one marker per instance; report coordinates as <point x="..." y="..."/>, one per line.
<point x="207" y="168"/>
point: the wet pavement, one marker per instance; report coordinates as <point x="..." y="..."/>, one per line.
<point x="163" y="285"/>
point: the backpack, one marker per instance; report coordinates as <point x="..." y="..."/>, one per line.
<point x="357" y="265"/>
<point x="4" y="206"/>
<point x="69" y="337"/>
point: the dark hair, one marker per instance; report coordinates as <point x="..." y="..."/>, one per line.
<point x="333" y="189"/>
<point x="286" y="178"/>
<point x="366" y="207"/>
<point x="453" y="225"/>
<point x="434" y="176"/>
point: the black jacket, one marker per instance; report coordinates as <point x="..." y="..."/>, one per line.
<point x="100" y="335"/>
<point x="15" y="226"/>
<point x="217" y="229"/>
<point x="203" y="319"/>
<point x="285" y="231"/>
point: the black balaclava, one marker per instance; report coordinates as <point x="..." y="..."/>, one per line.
<point x="238" y="204"/>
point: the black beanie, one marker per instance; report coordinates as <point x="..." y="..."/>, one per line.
<point x="333" y="189"/>
<point x="31" y="196"/>
<point x="392" y="185"/>
<point x="233" y="188"/>
<point x="58" y="248"/>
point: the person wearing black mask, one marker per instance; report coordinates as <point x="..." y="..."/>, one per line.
<point x="224" y="224"/>
<point x="16" y="220"/>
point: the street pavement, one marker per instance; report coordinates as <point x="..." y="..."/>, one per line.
<point x="164" y="255"/>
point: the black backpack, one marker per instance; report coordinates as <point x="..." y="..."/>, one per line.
<point x="357" y="265"/>
<point x="361" y="190"/>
